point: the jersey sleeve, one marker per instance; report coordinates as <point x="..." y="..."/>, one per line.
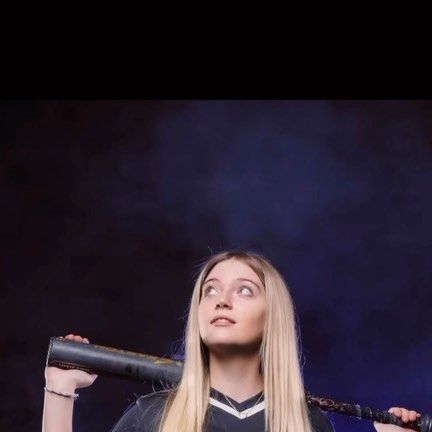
<point x="320" y="422"/>
<point x="143" y="415"/>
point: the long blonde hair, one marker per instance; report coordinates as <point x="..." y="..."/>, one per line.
<point x="285" y="404"/>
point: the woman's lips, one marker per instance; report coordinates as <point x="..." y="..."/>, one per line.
<point x="222" y="322"/>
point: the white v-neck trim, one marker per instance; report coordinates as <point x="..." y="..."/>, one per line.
<point x="243" y="414"/>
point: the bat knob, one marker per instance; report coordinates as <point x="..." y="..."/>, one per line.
<point x="426" y="423"/>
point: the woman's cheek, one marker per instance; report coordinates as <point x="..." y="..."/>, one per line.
<point x="260" y="321"/>
<point x="201" y="322"/>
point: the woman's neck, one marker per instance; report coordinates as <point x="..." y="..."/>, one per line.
<point x="237" y="376"/>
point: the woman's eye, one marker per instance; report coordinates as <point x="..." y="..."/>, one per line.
<point x="207" y="290"/>
<point x="247" y="289"/>
<point x="243" y="289"/>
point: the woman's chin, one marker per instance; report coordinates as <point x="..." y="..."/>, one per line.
<point x="229" y="346"/>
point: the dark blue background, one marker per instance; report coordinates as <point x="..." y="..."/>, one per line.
<point x="108" y="207"/>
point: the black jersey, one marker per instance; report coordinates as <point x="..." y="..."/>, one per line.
<point x="143" y="415"/>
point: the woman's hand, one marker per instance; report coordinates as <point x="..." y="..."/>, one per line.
<point x="402" y="413"/>
<point x="70" y="379"/>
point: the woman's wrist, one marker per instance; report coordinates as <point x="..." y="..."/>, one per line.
<point x="66" y="387"/>
<point x="73" y="396"/>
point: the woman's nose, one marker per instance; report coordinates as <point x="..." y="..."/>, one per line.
<point x="223" y="302"/>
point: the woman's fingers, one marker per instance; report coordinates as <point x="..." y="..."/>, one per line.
<point x="77" y="338"/>
<point x="405" y="414"/>
<point x="396" y="411"/>
<point x="413" y="415"/>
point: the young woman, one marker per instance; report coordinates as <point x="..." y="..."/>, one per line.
<point x="241" y="369"/>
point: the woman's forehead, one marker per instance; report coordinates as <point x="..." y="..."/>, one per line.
<point x="232" y="268"/>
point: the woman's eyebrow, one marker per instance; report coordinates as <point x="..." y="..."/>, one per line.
<point x="208" y="280"/>
<point x="240" y="279"/>
<point x="248" y="280"/>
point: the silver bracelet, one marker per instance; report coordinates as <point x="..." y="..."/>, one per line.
<point x="74" y="396"/>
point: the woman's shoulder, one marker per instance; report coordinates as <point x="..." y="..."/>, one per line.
<point x="156" y="400"/>
<point x="143" y="414"/>
<point x="320" y="422"/>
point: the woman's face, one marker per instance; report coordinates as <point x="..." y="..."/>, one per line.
<point x="233" y="290"/>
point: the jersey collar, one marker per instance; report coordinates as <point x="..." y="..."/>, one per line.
<point x="244" y="409"/>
